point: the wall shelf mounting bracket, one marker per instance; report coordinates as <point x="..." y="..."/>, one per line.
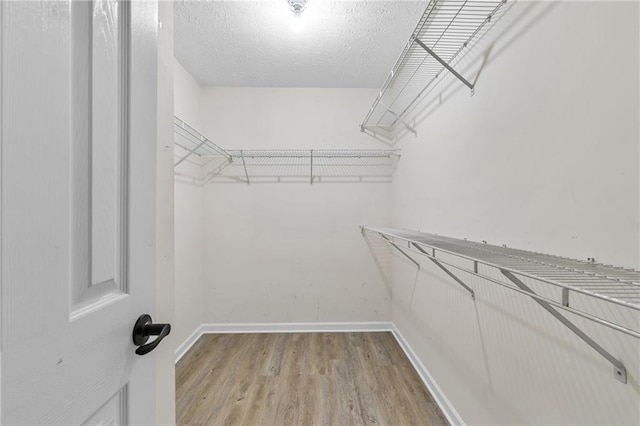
<point x="400" y="119"/>
<point x="244" y="165"/>
<point x="619" y="370"/>
<point x="394" y="245"/>
<point x="445" y="64"/>
<point x="447" y="271"/>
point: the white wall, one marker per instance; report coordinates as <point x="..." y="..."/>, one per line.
<point x="186" y="96"/>
<point x="296" y="118"/>
<point x="290" y="252"/>
<point x="544" y="157"/>
<point x="189" y="224"/>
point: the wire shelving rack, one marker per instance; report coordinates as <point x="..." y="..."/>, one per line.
<point x="445" y="32"/>
<point x="556" y="283"/>
<point x="198" y="160"/>
<point x="310" y="166"/>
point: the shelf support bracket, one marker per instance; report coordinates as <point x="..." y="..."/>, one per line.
<point x="189" y="153"/>
<point x="446" y="270"/>
<point x="619" y="370"/>
<point x="385" y="278"/>
<point x="444" y="64"/>
<point x="407" y="125"/>
<point x="245" y="167"/>
<point x="394" y="245"/>
<point x="311" y="161"/>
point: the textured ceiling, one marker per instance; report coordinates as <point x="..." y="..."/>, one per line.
<point x="260" y="43"/>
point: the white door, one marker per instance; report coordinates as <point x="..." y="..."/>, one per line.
<point x="78" y="156"/>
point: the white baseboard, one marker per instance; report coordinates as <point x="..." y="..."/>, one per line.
<point x="186" y="345"/>
<point x="297" y="327"/>
<point x="439" y="397"/>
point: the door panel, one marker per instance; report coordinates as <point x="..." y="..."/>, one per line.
<point x="113" y="412"/>
<point x="78" y="210"/>
<point x="106" y="138"/>
<point x="100" y="49"/>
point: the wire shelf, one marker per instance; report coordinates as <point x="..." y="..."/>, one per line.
<point x="310" y="166"/>
<point x="604" y="294"/>
<point x="198" y="160"/>
<point x="446" y="31"/>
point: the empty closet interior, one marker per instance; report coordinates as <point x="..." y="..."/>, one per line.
<point x="463" y="174"/>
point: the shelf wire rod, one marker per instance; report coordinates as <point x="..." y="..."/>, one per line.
<point x="558" y="274"/>
<point x="561" y="272"/>
<point x="244" y="165"/>
<point x="215" y="172"/>
<point x="621" y="294"/>
<point x="209" y="147"/>
<point x="572" y="277"/>
<point x="409" y="127"/>
<point x="402" y="251"/>
<point x="191" y="131"/>
<point x="556" y="267"/>
<point x="188" y="146"/>
<point x="530" y="256"/>
<point x="604" y="284"/>
<point x="575" y="311"/>
<point x="524" y="265"/>
<point x="593" y="272"/>
<point x="178" y="157"/>
<point x="444" y="64"/>
<point x="316" y="153"/>
<point x="448" y="272"/>
<point x="379" y="265"/>
<point x="189" y="153"/>
<point x="620" y="372"/>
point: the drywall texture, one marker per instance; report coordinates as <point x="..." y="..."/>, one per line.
<point x="544" y="157"/>
<point x="165" y="296"/>
<point x="290" y="252"/>
<point x="262" y="44"/>
<point x="189" y="223"/>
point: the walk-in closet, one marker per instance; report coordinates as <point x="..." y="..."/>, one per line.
<point x="461" y="176"/>
<point x="320" y="212"/>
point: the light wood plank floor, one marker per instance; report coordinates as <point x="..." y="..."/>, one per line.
<point x="301" y="379"/>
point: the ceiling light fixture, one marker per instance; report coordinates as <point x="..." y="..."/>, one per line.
<point x="297" y="6"/>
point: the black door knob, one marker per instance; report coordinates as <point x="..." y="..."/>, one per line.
<point x="144" y="328"/>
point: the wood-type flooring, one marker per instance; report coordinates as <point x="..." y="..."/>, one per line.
<point x="301" y="379"/>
